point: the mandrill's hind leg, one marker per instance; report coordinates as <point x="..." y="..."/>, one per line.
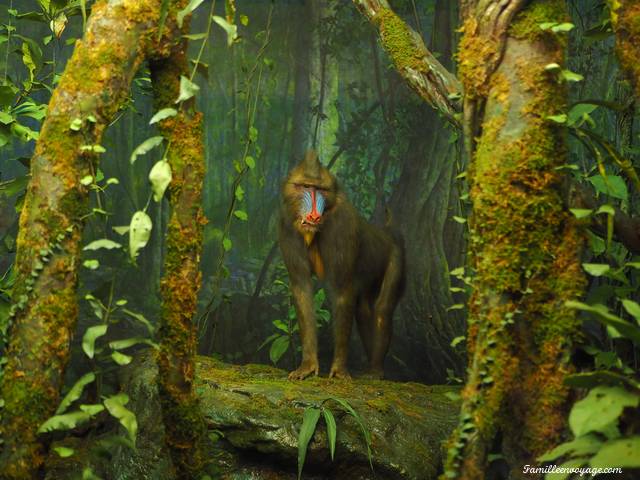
<point x="364" y="319"/>
<point x="383" y="312"/>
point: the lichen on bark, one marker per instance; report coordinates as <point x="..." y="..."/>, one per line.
<point x="625" y="16"/>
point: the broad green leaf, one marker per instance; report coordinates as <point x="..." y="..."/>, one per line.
<point x="76" y="124"/>
<point x="92" y="409"/>
<point x="250" y="162"/>
<point x="309" y="423"/>
<point x="331" y="430"/>
<point x="596" y="269"/>
<point x="614" y="186"/>
<point x="90" y="337"/>
<point x="116" y="406"/>
<point x="623" y="453"/>
<point x="139" y="317"/>
<point x="163" y="114"/>
<point x="64" y="452"/>
<point x="226" y="244"/>
<point x="606" y="209"/>
<point x="187" y="89"/>
<point x="160" y="178"/>
<point x="191" y="6"/>
<point x="241" y="214"/>
<point x="229" y="28"/>
<point x="66" y="421"/>
<point x="459" y="219"/>
<point x="560" y="118"/>
<point x="239" y="193"/>
<point x="599" y="409"/>
<point x="564" y="472"/>
<point x="121" y="230"/>
<point x="365" y="432"/>
<point x="102" y="243"/>
<point x="580" y="112"/>
<point x="121" y="358"/>
<point x="563" y="27"/>
<point x="600" y="377"/>
<point x="278" y="348"/>
<point x="578" y="447"/>
<point x="570" y="76"/>
<point x="253" y="134"/>
<point x="86" y="180"/>
<point x="139" y="232"/>
<point x="75" y="392"/>
<point x="146" y="146"/>
<point x="581" y="212"/>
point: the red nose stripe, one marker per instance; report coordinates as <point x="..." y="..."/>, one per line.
<point x="314" y="216"/>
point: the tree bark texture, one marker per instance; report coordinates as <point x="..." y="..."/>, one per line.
<point x="184" y="425"/>
<point x="524" y="245"/>
<point x="94" y="86"/>
<point x="625" y="16"/>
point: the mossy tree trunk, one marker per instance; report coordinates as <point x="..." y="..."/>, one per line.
<point x="625" y="16"/>
<point x="119" y="36"/>
<point x="524" y="245"/>
<point x="184" y="425"/>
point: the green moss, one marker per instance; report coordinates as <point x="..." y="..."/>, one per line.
<point x="398" y="41"/>
<point x="526" y="25"/>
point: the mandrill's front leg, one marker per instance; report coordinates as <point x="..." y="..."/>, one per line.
<point x="302" y="291"/>
<point x="344" y="310"/>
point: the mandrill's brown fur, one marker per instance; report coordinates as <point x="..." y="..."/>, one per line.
<point x="362" y="266"/>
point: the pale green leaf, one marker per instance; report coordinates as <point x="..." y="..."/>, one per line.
<point x="90" y="337"/>
<point x="191" y="6"/>
<point x="578" y="447"/>
<point x="229" y="28"/>
<point x="116" y="407"/>
<point x="163" y="114"/>
<point x="241" y="214"/>
<point x="121" y="358"/>
<point x="622" y="453"/>
<point x="226" y="244"/>
<point x="187" y="89"/>
<point x="581" y="212"/>
<point x="75" y="392"/>
<point x="599" y="409"/>
<point x="86" y="180"/>
<point x="102" y="243"/>
<point x="146" y="146"/>
<point x="64" y="452"/>
<point x="250" y="162"/>
<point x="91" y="264"/>
<point x="139" y="232"/>
<point x="66" y="421"/>
<point x="632" y="308"/>
<point x="596" y="269"/>
<point x="160" y="178"/>
<point x="309" y="422"/>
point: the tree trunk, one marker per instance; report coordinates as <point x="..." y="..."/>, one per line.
<point x="184" y="425"/>
<point x="92" y="89"/>
<point x="625" y="16"/>
<point x="525" y="246"/>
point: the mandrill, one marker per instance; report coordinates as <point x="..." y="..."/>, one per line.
<point x="362" y="265"/>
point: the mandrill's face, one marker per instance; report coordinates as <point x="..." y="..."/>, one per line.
<point x="309" y="193"/>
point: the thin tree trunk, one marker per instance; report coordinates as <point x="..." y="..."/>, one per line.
<point x="525" y="246"/>
<point x="625" y="16"/>
<point x="184" y="425"/>
<point x="92" y="89"/>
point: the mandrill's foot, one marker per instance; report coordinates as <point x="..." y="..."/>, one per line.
<point x="305" y="369"/>
<point x="373" y="374"/>
<point x="339" y="371"/>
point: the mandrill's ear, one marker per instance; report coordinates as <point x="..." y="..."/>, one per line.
<point x="311" y="164"/>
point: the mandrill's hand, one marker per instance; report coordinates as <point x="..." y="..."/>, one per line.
<point x="306" y="368"/>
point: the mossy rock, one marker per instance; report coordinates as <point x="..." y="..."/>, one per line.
<point x="257" y="413"/>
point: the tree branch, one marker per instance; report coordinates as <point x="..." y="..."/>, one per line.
<point x="418" y="66"/>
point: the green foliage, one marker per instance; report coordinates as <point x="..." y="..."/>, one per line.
<point x="310" y="418"/>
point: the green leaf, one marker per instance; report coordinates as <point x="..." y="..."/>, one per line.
<point x="239" y="193"/>
<point x="331" y="430"/>
<point x="91" y="264"/>
<point x="75" y="392"/>
<point x="241" y="214"/>
<point x="629" y="330"/>
<point x="76" y="124"/>
<point x="139" y="232"/>
<point x="580" y="112"/>
<point x="309" y="422"/>
<point x="226" y="244"/>
<point x="64" y="452"/>
<point x="121" y="230"/>
<point x="90" y="337"/>
<point x="278" y="348"/>
<point x="102" y="243"/>
<point x="632" y="309"/>
<point x="193" y="4"/>
<point x="457" y="340"/>
<point x="606" y="209"/>
<point x="547" y="25"/>
<point x="139" y="317"/>
<point x="599" y="409"/>
<point x="160" y="178"/>
<point x="250" y="162"/>
<point x="570" y="76"/>
<point x="116" y="406"/>
<point x="584" y="445"/>
<point x="130" y="342"/>
<point x="121" y="358"/>
<point x="613" y="185"/>
<point x="562" y="27"/>
<point x="187" y="89"/>
<point x="229" y="28"/>
<point x="146" y="146"/>
<point x="195" y="36"/>
<point x="622" y="453"/>
<point x="365" y="432"/>
<point x="253" y="134"/>
<point x="163" y="114"/>
<point x="92" y="409"/>
<point x="581" y="212"/>
<point x="67" y="421"/>
<point x="561" y="118"/>
<point x="596" y="269"/>
<point x="459" y="219"/>
<point x="600" y="377"/>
